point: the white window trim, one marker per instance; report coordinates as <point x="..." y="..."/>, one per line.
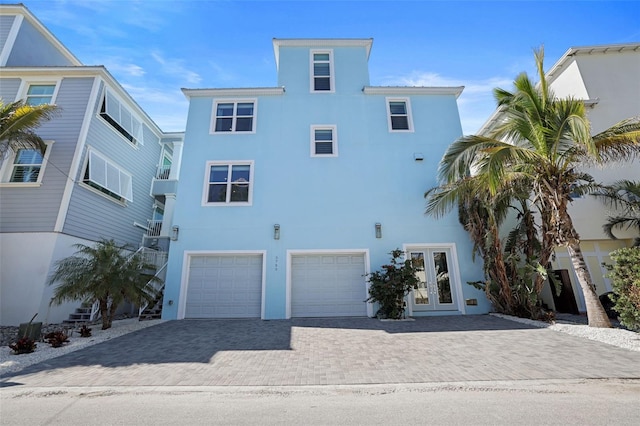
<point x="407" y="102"/>
<point x="7" y="169"/>
<point x="235" y="101"/>
<point x="332" y="80"/>
<point x="205" y="186"/>
<point x="81" y="182"/>
<point x="139" y="137"/>
<point x="26" y="83"/>
<point x="334" y="140"/>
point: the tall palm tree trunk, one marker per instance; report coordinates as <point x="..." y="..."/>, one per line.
<point x="595" y="312"/>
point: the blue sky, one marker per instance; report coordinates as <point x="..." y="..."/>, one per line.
<point x="156" y="47"/>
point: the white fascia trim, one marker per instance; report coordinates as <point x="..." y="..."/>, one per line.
<point x="21" y="10"/>
<point x="11" y="39"/>
<point x="186" y="264"/>
<point x="246" y="91"/>
<point x="320" y="43"/>
<point x="77" y="156"/>
<point x="291" y="253"/>
<point x="454" y="265"/>
<point x="407" y="90"/>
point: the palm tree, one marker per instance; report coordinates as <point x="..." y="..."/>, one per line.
<point x="625" y="196"/>
<point x="542" y="140"/>
<point x="105" y="273"/>
<point x="17" y="124"/>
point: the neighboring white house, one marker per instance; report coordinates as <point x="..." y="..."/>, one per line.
<point x="106" y="172"/>
<point x="607" y="78"/>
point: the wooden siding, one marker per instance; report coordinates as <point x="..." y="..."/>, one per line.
<point x="9" y="89"/>
<point x="6" y="21"/>
<point x="33" y="49"/>
<point x="35" y="209"/>
<point x="94" y="216"/>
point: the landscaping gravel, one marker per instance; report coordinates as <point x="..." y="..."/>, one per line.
<point x="11" y="363"/>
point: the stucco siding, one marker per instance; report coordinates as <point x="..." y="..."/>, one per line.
<point x="31" y="48"/>
<point x="94" y="216"/>
<point x="35" y="209"/>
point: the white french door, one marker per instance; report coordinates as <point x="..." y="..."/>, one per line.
<point x="436" y="290"/>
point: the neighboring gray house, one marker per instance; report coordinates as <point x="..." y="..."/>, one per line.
<point x="106" y="172"/>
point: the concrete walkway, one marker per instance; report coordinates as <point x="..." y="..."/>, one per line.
<point x="332" y="351"/>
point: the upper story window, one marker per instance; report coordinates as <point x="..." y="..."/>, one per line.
<point x="399" y="115"/>
<point x="228" y="183"/>
<point x="234" y="116"/>
<point x="322" y="71"/>
<point x="105" y="176"/>
<point x="40" y="94"/>
<point x="120" y="118"/>
<point x="324" y="141"/>
<point x="26" y="166"/>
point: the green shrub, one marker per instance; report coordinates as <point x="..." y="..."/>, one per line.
<point x="625" y="277"/>
<point x="389" y="286"/>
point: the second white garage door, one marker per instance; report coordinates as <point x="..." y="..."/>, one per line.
<point x="224" y="286"/>
<point x="328" y="285"/>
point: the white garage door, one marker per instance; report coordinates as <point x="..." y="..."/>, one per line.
<point x="224" y="286"/>
<point x="328" y="285"/>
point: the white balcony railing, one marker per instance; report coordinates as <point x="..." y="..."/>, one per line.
<point x="153" y="228"/>
<point x="163" y="172"/>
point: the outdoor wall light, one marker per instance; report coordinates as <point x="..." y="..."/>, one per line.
<point x="175" y="230"/>
<point x="170" y="302"/>
<point x="378" y="230"/>
<point x="276" y="232"/>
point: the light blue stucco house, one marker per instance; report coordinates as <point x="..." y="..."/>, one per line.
<point x="289" y="195"/>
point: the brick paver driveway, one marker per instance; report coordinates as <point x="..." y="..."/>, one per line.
<point x="332" y="351"/>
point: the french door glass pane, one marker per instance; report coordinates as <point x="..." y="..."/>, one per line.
<point x="421" y="294"/>
<point x="442" y="277"/>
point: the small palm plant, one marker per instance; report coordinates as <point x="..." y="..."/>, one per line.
<point x="105" y="273"/>
<point x="17" y="123"/>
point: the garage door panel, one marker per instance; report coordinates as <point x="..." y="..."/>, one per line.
<point x="325" y="285"/>
<point x="224" y="286"/>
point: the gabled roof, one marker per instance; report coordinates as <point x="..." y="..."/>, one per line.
<point x="21" y="10"/>
<point x="320" y="42"/>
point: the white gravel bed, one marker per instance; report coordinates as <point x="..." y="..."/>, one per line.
<point x="612" y="336"/>
<point x="11" y="363"/>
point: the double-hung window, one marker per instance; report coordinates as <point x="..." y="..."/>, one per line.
<point x="120" y="118"/>
<point x="25" y="166"/>
<point x="234" y="116"/>
<point x="324" y="141"/>
<point x="107" y="177"/>
<point x="40" y="94"/>
<point x="228" y="183"/>
<point x="399" y="115"/>
<point x="322" y="71"/>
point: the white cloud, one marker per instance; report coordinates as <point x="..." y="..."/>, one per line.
<point x="176" y="68"/>
<point x="131" y="70"/>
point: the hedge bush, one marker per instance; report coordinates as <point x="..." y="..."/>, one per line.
<point x="625" y="278"/>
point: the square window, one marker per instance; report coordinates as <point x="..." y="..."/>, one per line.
<point x="322" y="71"/>
<point x="323" y="141"/>
<point x="26" y="166"/>
<point x="399" y="115"/>
<point x="228" y="183"/>
<point x="234" y="117"/>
